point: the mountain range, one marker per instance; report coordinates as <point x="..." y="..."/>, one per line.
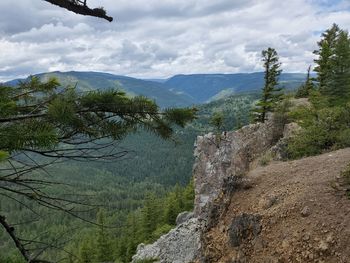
<point x="177" y="91"/>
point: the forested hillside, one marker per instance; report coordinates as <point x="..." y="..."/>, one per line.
<point x="152" y="168"/>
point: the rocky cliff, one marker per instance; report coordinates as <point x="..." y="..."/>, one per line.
<point x="283" y="212"/>
<point x="221" y="162"/>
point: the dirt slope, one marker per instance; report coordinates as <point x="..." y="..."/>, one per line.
<point x="304" y="214"/>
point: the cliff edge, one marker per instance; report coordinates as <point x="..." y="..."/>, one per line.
<point x="291" y="212"/>
<point x="245" y="213"/>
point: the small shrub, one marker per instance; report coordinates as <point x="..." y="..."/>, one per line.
<point x="281" y="118"/>
<point x="265" y="159"/>
<point x="217" y="121"/>
<point x="323" y="130"/>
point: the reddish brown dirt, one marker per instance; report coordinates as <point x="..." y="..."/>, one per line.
<point x="279" y="193"/>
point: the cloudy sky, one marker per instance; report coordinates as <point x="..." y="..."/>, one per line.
<point x="160" y="38"/>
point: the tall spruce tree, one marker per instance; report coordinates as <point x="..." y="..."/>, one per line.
<point x="340" y="80"/>
<point x="104" y="251"/>
<point x="324" y="61"/>
<point x="149" y="216"/>
<point x="270" y="92"/>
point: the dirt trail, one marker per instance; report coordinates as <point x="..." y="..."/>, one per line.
<point x="305" y="214"/>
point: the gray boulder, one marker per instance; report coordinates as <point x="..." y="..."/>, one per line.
<point x="180" y="245"/>
<point x="183" y="217"/>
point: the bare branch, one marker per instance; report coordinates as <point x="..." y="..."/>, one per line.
<point x="81" y="8"/>
<point x="11" y="231"/>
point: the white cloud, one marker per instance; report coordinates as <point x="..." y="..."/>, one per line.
<point x="160" y="38"/>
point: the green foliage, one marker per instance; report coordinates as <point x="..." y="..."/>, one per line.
<point x="270" y="93"/>
<point x="36" y="115"/>
<point x="86" y="252"/>
<point x="281" y="117"/>
<point x="217" y="120"/>
<point x="340" y="81"/>
<point x="155" y="218"/>
<point x="156" y="166"/>
<point x="324" y="62"/>
<point x="326" y="124"/>
<point x="104" y="251"/>
<point x="40" y="121"/>
<point x="323" y="129"/>
<point x="15" y="258"/>
<point x="3" y="155"/>
<point x="333" y="65"/>
<point x="305" y="90"/>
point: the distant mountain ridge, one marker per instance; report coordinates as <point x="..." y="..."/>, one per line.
<point x="205" y="87"/>
<point x="177" y="91"/>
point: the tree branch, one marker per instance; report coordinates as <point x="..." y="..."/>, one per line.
<point x="81" y="9"/>
<point x="11" y="231"/>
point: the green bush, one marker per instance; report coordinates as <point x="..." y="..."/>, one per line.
<point x="281" y="117"/>
<point x="323" y="130"/>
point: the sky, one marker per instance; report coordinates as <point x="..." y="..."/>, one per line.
<point x="161" y="38"/>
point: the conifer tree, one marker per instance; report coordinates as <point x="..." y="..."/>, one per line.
<point x="306" y="88"/>
<point x="172" y="208"/>
<point x="324" y="62"/>
<point x="340" y="81"/>
<point x="270" y="91"/>
<point x="217" y="120"/>
<point x="189" y="196"/>
<point x="86" y="252"/>
<point x="149" y="216"/>
<point x="104" y="251"/>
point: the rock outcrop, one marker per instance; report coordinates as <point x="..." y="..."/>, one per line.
<point x="180" y="245"/>
<point x="283" y="212"/>
<point x="221" y="161"/>
<point x="183" y="217"/>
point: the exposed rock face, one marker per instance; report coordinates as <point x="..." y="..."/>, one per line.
<point x="183" y="217"/>
<point x="218" y="170"/>
<point x="220" y="163"/>
<point x="283" y="212"/>
<point x="180" y="245"/>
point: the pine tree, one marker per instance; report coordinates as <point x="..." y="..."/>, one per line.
<point x="149" y="216"/>
<point x="189" y="195"/>
<point x="324" y="62"/>
<point x="86" y="252"/>
<point x="340" y="81"/>
<point x="306" y="88"/>
<point x="217" y="120"/>
<point x="172" y="208"/>
<point x="104" y="251"/>
<point x="270" y="92"/>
